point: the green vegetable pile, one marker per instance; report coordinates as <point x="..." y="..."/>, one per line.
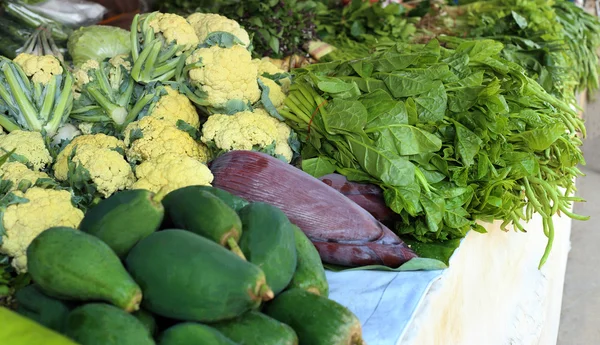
<point x="453" y="136"/>
<point x="240" y="273"/>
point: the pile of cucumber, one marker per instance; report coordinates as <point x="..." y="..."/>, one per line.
<point x="197" y="266"/>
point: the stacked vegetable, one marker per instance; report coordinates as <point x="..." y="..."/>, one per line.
<point x="452" y="136"/>
<point x="125" y="282"/>
<point x="146" y="111"/>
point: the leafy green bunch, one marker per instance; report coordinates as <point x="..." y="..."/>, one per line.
<point x="453" y="136"/>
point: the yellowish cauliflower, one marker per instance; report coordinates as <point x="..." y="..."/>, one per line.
<point x="108" y="169"/>
<point x="245" y="130"/>
<point x="39" y="68"/>
<point x="207" y="23"/>
<point x="81" y="73"/>
<point x="264" y="65"/>
<point x="174" y="28"/>
<point x="160" y="137"/>
<point x="29" y="145"/>
<point x="17" y="172"/>
<point x="276" y="94"/>
<point x="119" y="60"/>
<point x="173" y="107"/>
<point x="227" y="74"/>
<point x="23" y="222"/>
<point x="171" y="172"/>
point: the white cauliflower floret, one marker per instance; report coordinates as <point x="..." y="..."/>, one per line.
<point x="207" y="23"/>
<point x="276" y="94"/>
<point x="46" y="208"/>
<point x="29" y="145"/>
<point x="227" y="74"/>
<point x="265" y="65"/>
<point x="16" y="172"/>
<point x="247" y="130"/>
<point x="81" y="73"/>
<point x="160" y="137"/>
<point x="120" y="60"/>
<point x="174" y="28"/>
<point x="98" y="154"/>
<point x="173" y="107"/>
<point x="39" y="68"/>
<point x="168" y="172"/>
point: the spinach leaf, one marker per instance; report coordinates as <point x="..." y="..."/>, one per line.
<point x="319" y="166"/>
<point x="344" y="116"/>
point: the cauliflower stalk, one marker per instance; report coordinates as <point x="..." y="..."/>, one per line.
<point x="94" y="161"/>
<point x="158" y="43"/>
<point x="168" y="172"/>
<point x="207" y="24"/>
<point x="151" y="137"/>
<point x="248" y="131"/>
<point x="29" y="146"/>
<point x="223" y="77"/>
<point x="30" y="213"/>
<point x="38" y="93"/>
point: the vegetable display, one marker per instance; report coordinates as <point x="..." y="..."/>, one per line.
<point x="208" y="292"/>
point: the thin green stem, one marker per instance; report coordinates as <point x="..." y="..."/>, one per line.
<point x="25" y="106"/>
<point x="48" y="100"/>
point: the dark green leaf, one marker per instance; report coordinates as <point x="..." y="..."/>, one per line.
<point x="319" y="166"/>
<point x="431" y="106"/>
<point x="467" y="144"/>
<point x="540" y="139"/>
<point x="344" y="116"/>
<point x="186" y="127"/>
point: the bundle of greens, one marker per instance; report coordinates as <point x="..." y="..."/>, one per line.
<point x="452" y="136"/>
<point x="555" y="41"/>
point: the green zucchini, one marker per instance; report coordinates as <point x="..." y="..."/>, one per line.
<point x="310" y="273"/>
<point x="187" y="277"/>
<point x="317" y="320"/>
<point x="205" y="214"/>
<point x="70" y="264"/>
<point x="124" y="218"/>
<point x="254" y="328"/>
<point x="189" y="333"/>
<point x="103" y="324"/>
<point x="268" y="242"/>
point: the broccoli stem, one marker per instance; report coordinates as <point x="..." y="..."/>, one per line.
<point x="115" y="112"/>
<point x="126" y="95"/>
<point x="150" y="63"/>
<point x="7" y="124"/>
<point x="137" y="108"/>
<point x="133" y="36"/>
<point x="25" y="107"/>
<point x="48" y="100"/>
<point x="136" y="71"/>
<point x="166" y="71"/>
<point x="169" y="53"/>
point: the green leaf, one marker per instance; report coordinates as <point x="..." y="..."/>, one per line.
<point x="189" y="129"/>
<point x="274" y="44"/>
<point x="540" y="139"/>
<point x="432" y="105"/>
<point x="319" y="166"/>
<point x="135" y="134"/>
<point x="380" y="163"/>
<point x="467" y="144"/>
<point x="519" y="19"/>
<point x="344" y="116"/>
<point x="406" y="140"/>
<point x="222" y="39"/>
<point x="406" y="84"/>
<point x="266" y="101"/>
<point x="434" y="208"/>
<point x="439" y="250"/>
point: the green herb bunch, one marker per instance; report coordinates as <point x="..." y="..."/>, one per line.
<point x="452" y="135"/>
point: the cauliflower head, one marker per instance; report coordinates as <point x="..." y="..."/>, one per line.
<point x="171" y="172"/>
<point x="39" y="68"/>
<point x="265" y="65"/>
<point x="207" y="23"/>
<point x="174" y="28"/>
<point x="173" y="107"/>
<point x="23" y="222"/>
<point x="81" y="73"/>
<point x="16" y="172"/>
<point x="226" y="74"/>
<point x="160" y="137"/>
<point x="98" y="154"/>
<point x="29" y="145"/>
<point x="246" y="130"/>
<point x="120" y="60"/>
<point x="276" y="94"/>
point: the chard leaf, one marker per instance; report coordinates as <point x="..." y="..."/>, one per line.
<point x="319" y="166"/>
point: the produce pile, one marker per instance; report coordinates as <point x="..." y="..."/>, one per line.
<point x="124" y="282"/>
<point x="200" y="168"/>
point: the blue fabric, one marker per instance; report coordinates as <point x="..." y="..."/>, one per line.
<point x="383" y="301"/>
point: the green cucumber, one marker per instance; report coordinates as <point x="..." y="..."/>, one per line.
<point x="317" y="320"/>
<point x="310" y="273"/>
<point x="254" y="328"/>
<point x="189" y="333"/>
<point x="147" y="319"/>
<point x="268" y="242"/>
<point x="72" y="265"/>
<point x="205" y="214"/>
<point x="45" y="310"/>
<point x="187" y="277"/>
<point x="103" y="324"/>
<point x="233" y="201"/>
<point x="124" y="219"/>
